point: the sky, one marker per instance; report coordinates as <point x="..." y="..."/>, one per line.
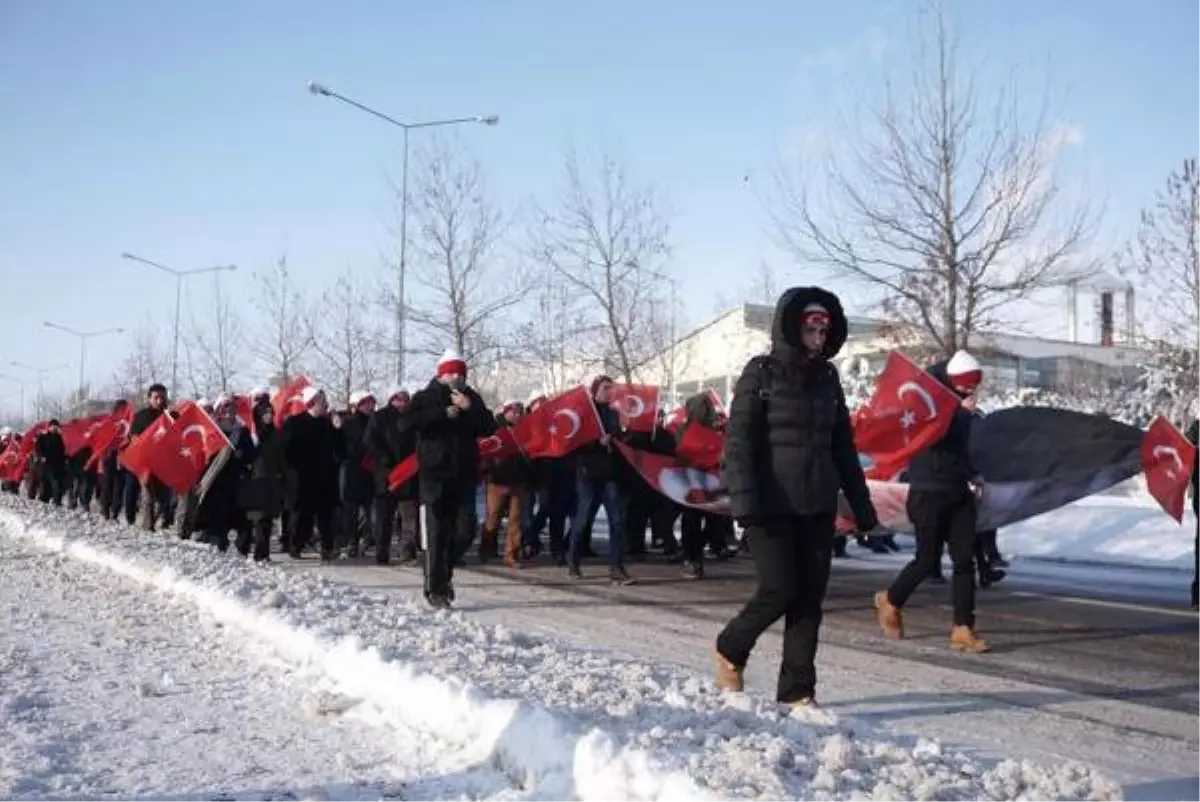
<point x="183" y="132"/>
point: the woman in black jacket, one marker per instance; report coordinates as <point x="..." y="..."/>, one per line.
<point x="943" y="487"/>
<point x="789" y="452"/>
<point x="261" y="494"/>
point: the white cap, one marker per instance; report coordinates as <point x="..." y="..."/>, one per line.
<point x="962" y="363"/>
<point x="308" y="394"/>
<point x="222" y="399"/>
<point x="5" y="431"/>
<point x="451" y="362"/>
<point x="203" y="402"/>
<point x="358" y="397"/>
<point x="258" y="391"/>
<point x="394" y="391"/>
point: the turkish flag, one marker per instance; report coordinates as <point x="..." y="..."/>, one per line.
<point x="78" y="434"/>
<point x="701" y="446"/>
<point x="109" y="434"/>
<point x="1167" y="458"/>
<point x="560" y="425"/>
<point x="500" y="446"/>
<point x="637" y="404"/>
<point x="910" y="411"/>
<point x="245" y="414"/>
<point x="12" y="465"/>
<point x="675" y="419"/>
<point x="690" y="486"/>
<point x="404" y="471"/>
<point x="178" y="458"/>
<point x="136" y="458"/>
<point x="287" y="399"/>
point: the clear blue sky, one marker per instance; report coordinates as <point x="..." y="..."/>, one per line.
<point x="183" y="131"/>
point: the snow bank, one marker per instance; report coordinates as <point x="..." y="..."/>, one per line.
<point x="562" y="722"/>
<point x="1105" y="529"/>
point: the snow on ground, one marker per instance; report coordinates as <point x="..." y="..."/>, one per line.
<point x="521" y="716"/>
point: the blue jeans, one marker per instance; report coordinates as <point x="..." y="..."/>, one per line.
<point x="590" y="495"/>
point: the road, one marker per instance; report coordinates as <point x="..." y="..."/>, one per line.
<point x="1096" y="665"/>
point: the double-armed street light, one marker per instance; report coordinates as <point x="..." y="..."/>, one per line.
<point x="83" y="336"/>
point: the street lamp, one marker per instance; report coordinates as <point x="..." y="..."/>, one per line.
<point x="41" y="376"/>
<point x="179" y="275"/>
<point x="83" y="336"/>
<point x="487" y="119"/>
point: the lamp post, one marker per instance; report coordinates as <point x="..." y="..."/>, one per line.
<point x="179" y="275"/>
<point x="41" y="376"/>
<point x="83" y="336"/>
<point x="488" y="119"/>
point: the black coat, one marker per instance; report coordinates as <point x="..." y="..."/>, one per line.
<point x="447" y="452"/>
<point x="357" y="484"/>
<point x="312" y="451"/>
<point x="143" y="419"/>
<point x="52" y="452"/>
<point x="219" y="509"/>
<point x="790" y="448"/>
<point x="945" y="465"/>
<point x="390" y="441"/>
<point x="595" y="462"/>
<point x="516" y="471"/>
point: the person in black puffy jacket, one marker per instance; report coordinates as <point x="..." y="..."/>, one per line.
<point x="448" y="417"/>
<point x="789" y="452"/>
<point x="312" y="449"/>
<point x="943" y="488"/>
<point x="389" y="442"/>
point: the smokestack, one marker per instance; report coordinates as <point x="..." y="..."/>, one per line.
<point x="1106" y="319"/>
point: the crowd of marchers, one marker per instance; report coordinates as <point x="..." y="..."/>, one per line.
<point x="291" y="470"/>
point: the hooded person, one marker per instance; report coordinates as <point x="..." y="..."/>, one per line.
<point x="312" y="450"/>
<point x="788" y="454"/>
<point x="943" y="487"/>
<point x="447" y="418"/>
<point x="356" y="481"/>
<point x="388" y="443"/>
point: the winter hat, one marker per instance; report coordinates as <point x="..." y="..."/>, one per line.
<point x="360" y="396"/>
<point x="259" y="392"/>
<point x="222" y="400"/>
<point x="394" y="391"/>
<point x="815" y="313"/>
<point x="451" y="362"/>
<point x="5" y="431"/>
<point x="309" y="394"/>
<point x="510" y="405"/>
<point x="53" y="422"/>
<point x="964" y="372"/>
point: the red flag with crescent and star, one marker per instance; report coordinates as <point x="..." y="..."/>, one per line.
<point x="179" y="457"/>
<point x="560" y="425"/>
<point x="286" y="401"/>
<point x="109" y="434"/>
<point x="78" y="434"/>
<point x="1167" y="459"/>
<point x="497" y="447"/>
<point x="136" y="457"/>
<point x="637" y="406"/>
<point x="910" y="411"/>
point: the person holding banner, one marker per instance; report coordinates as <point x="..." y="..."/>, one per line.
<point x="789" y="452"/>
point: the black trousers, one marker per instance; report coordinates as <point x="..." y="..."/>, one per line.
<point x="450" y="524"/>
<point x="303" y="521"/>
<point x="256" y="535"/>
<point x="701" y="528"/>
<point x="792" y="557"/>
<point x="52" y="487"/>
<point x="390" y="514"/>
<point x="942" y="519"/>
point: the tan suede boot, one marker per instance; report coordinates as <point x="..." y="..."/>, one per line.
<point x="729" y="677"/>
<point x="890" y="619"/>
<point x="962" y="639"/>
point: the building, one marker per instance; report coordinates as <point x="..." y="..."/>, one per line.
<point x="713" y="355"/>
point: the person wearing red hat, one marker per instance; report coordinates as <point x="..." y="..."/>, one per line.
<point x="943" y="488"/>
<point x="448" y="417"/>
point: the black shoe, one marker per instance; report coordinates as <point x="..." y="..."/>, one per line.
<point x="438" y="602"/>
<point x="876" y="546"/>
<point x="693" y="571"/>
<point x="999" y="562"/>
<point x="889" y="542"/>
<point x="619" y="576"/>
<point x="574" y="573"/>
<point x="989" y="578"/>
<point x="353" y="551"/>
<point x="560" y="560"/>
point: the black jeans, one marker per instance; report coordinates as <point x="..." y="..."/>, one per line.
<point x="701" y="528"/>
<point x="257" y="535"/>
<point x="791" y="557"/>
<point x="450" y="522"/>
<point x="942" y="519"/>
<point x="388" y="509"/>
<point x="303" y="521"/>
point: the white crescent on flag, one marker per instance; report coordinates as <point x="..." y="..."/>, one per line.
<point x="633" y="406"/>
<point x="922" y="393"/>
<point x="572" y="416"/>
<point x="1161" y="452"/>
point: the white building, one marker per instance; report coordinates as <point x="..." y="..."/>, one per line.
<point x="713" y="355"/>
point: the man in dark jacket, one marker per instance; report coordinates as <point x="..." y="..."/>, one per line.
<point x="789" y="452"/>
<point x="357" y="485"/>
<point x="448" y="417"/>
<point x="312" y="450"/>
<point x="155" y="497"/>
<point x="52" y="456"/>
<point x="943" y="489"/>
<point x="595" y="485"/>
<point x="506" y="494"/>
<point x="389" y="442"/>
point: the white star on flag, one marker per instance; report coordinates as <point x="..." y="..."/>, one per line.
<point x="908" y="419"/>
<point x="185" y="452"/>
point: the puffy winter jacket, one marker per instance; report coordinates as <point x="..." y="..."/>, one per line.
<point x="945" y="465"/>
<point x="790" y="448"/>
<point x="389" y="442"/>
<point x="447" y="451"/>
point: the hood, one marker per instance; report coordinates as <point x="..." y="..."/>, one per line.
<point x="938" y="371"/>
<point x="785" y="329"/>
<point x="700" y="410"/>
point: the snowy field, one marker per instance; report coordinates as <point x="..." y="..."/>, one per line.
<point x="139" y="666"/>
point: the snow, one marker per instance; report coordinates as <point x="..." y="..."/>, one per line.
<point x="464" y="708"/>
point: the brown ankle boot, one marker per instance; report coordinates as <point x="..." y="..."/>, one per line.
<point x="962" y="639"/>
<point x="890" y="620"/>
<point x="729" y="676"/>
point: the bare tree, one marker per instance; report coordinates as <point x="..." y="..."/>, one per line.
<point x="282" y="338"/>
<point x="348" y="339"/>
<point x="147" y="361"/>
<point x="214" y="346"/>
<point x="1166" y="256"/>
<point x="466" y="291"/>
<point x="949" y="210"/>
<point x="608" y="239"/>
